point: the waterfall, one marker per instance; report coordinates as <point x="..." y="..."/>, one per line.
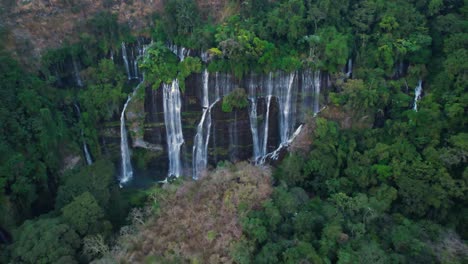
<point x="204" y="56"/>
<point x="253" y="120"/>
<point x="88" y="158"/>
<point x="202" y="138"/>
<point x="172" y="120"/>
<point x="125" y="59"/>
<point x="267" y="116"/>
<point x="285" y="105"/>
<point x="317" y="83"/>
<point x="417" y="95"/>
<point x="307" y="94"/>
<point x="127" y="170"/>
<point x="76" y="71"/>
<point x="222" y="86"/>
<point x="350" y="68"/>
<point x="281" y="86"/>
<point x="180" y="52"/>
<point x="135" y="67"/>
<point x="254" y="127"/>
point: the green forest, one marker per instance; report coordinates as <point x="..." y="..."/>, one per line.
<point x="376" y="181"/>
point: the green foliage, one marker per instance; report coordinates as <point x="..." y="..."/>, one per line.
<point x="84" y="215"/>
<point x="188" y="66"/>
<point x="162" y="66"/>
<point x="237" y="99"/>
<point x="31" y="133"/>
<point x="380" y="184"/>
<point x="105" y="28"/>
<point x="96" y="179"/>
<point x="45" y="241"/>
<point x="289" y="170"/>
<point x="180" y="17"/>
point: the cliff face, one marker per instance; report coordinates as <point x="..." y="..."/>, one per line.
<point x="278" y="104"/>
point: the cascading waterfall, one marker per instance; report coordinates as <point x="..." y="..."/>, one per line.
<point x="284" y="94"/>
<point x="204" y="56"/>
<point x="260" y="140"/>
<point x="307" y="93"/>
<point x="417" y="95"/>
<point x="350" y="68"/>
<point x="135" y="66"/>
<point x="284" y="88"/>
<point x="180" y="52"/>
<point x="76" y="71"/>
<point x="127" y="169"/>
<point x="285" y="104"/>
<point x="88" y="158"/>
<point x="253" y="120"/>
<point x="125" y="60"/>
<point x="317" y="83"/>
<point x="254" y="127"/>
<point x="202" y="138"/>
<point x="267" y="115"/>
<point x="222" y="86"/>
<point x="172" y="120"/>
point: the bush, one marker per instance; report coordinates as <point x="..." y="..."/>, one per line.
<point x="236" y="99"/>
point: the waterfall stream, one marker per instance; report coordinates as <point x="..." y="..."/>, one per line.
<point x="349" y="71"/>
<point x="285" y="88"/>
<point x="172" y="120"/>
<point x="180" y="52"/>
<point x="126" y="164"/>
<point x="317" y="83"/>
<point x="417" y="95"/>
<point x="76" y="72"/>
<point x="87" y="155"/>
<point x="278" y="92"/>
<point x="202" y="138"/>
<point x="127" y="170"/>
<point x="125" y="60"/>
<point x="285" y="105"/>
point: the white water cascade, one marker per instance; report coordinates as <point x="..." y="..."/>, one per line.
<point x="260" y="138"/>
<point x="76" y="72"/>
<point x="202" y="138"/>
<point x="125" y="60"/>
<point x="88" y="158"/>
<point x="127" y="169"/>
<point x="269" y="95"/>
<point x="285" y="89"/>
<point x="211" y="95"/>
<point x="284" y="94"/>
<point x="417" y="95"/>
<point x="126" y="164"/>
<point x="173" y="123"/>
<point x="317" y="83"/>
<point x="253" y="116"/>
<point x="350" y="68"/>
<point x="180" y="52"/>
<point x="135" y="65"/>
